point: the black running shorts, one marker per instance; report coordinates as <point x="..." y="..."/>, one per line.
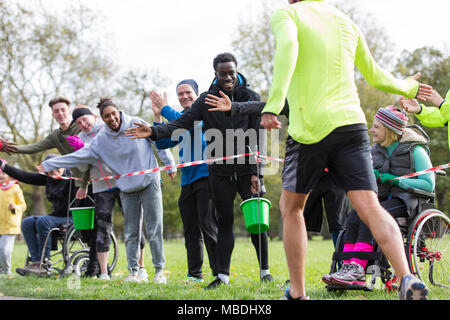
<point x="346" y="154"/>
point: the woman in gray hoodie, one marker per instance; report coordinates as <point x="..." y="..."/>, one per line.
<point x="138" y="193"/>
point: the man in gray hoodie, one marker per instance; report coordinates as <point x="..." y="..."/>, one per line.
<point x="136" y="192"/>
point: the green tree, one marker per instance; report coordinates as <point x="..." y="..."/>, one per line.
<point x="45" y="53"/>
<point x="42" y="56"/>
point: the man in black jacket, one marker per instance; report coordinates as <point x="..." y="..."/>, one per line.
<point x="226" y="179"/>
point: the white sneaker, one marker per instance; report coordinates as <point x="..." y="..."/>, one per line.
<point x="105" y="277"/>
<point x="160" y="278"/>
<point x="132" y="277"/>
<point x="142" y="275"/>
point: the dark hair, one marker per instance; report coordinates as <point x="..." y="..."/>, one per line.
<point x="224" y="57"/>
<point x="58" y="100"/>
<point x="105" y="102"/>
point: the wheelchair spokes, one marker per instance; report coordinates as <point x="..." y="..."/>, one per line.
<point x="431" y="249"/>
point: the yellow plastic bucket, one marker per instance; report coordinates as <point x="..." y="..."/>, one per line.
<point x="83" y="218"/>
<point x="252" y="220"/>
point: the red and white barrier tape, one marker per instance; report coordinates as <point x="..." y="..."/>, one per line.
<point x="257" y="155"/>
<point x="418" y="173"/>
<point x="181" y="165"/>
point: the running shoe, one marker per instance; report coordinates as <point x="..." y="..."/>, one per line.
<point x="213" y="285"/>
<point x="104" y="277"/>
<point x="267" y="278"/>
<point x="193" y="279"/>
<point x="350" y="274"/>
<point x="142" y="275"/>
<point x="160" y="278"/>
<point x="412" y="288"/>
<point x="132" y="277"/>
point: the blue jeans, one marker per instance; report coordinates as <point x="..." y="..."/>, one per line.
<point x="35" y="230"/>
<point x="146" y="203"/>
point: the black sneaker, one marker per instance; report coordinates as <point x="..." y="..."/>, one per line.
<point x="213" y="285"/>
<point x="267" y="278"/>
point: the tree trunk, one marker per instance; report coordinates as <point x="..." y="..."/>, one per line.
<point x="38" y="201"/>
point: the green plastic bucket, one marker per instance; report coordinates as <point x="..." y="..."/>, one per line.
<point x="83" y="218"/>
<point x="249" y="208"/>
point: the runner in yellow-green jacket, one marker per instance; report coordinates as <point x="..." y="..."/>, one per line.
<point x="437" y="116"/>
<point x="317" y="48"/>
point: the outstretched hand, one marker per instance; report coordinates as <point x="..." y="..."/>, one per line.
<point x="435" y="99"/>
<point x="40" y="168"/>
<point x="8" y="146"/>
<point x="410" y="105"/>
<point x="270" y="121"/>
<point x="220" y="104"/>
<point x="139" y="132"/>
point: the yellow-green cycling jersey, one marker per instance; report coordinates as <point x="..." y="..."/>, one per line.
<point x="317" y="48"/>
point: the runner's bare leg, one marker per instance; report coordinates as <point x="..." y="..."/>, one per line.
<point x="295" y="239"/>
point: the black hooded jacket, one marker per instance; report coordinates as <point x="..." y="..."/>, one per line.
<point x="223" y="123"/>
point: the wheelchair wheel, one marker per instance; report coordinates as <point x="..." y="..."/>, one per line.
<point x="74" y="241"/>
<point x="80" y="264"/>
<point x="429" y="248"/>
<point x="113" y="253"/>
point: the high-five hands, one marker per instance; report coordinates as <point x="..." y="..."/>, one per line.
<point x="139" y="132"/>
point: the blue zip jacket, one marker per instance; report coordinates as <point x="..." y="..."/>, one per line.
<point x="190" y="150"/>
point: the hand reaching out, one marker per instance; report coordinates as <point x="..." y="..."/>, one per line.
<point x="424" y="91"/>
<point x="40" y="168"/>
<point x="270" y="121"/>
<point x="410" y="105"/>
<point x="139" y="132"/>
<point x="220" y="104"/>
<point x="8" y="146"/>
<point x="435" y="98"/>
<point x="158" y="102"/>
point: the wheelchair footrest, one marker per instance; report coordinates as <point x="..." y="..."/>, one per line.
<point x="331" y="287"/>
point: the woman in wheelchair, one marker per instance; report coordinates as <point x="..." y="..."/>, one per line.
<point x="398" y="150"/>
<point x="36" y="228"/>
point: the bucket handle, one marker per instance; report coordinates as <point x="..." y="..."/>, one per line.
<point x="88" y="196"/>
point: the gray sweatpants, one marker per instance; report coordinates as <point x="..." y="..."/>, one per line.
<point x="6" y="248"/>
<point x="148" y="202"/>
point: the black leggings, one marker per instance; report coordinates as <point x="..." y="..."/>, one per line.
<point x="357" y="231"/>
<point x="223" y="190"/>
<point x="104" y="208"/>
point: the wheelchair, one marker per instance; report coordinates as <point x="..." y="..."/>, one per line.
<point x="69" y="251"/>
<point x="426" y="237"/>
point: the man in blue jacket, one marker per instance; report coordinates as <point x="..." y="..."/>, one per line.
<point x="199" y="221"/>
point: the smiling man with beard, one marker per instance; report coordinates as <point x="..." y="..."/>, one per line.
<point x="225" y="179"/>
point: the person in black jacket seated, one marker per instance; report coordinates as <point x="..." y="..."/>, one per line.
<point x="226" y="179"/>
<point x="36" y="228"/>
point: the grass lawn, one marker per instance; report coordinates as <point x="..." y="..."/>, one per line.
<point x="245" y="284"/>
